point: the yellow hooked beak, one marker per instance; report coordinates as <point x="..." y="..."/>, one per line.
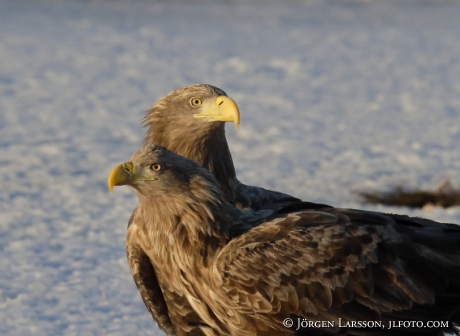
<point x="224" y="109"/>
<point x="124" y="174"/>
<point x="121" y="175"/>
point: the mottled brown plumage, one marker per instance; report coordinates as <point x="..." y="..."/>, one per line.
<point x="319" y="263"/>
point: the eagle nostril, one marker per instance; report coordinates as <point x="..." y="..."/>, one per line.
<point x="127" y="168"/>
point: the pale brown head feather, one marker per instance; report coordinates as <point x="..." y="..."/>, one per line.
<point x="170" y="122"/>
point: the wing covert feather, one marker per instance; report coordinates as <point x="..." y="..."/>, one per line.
<point x="332" y="263"/>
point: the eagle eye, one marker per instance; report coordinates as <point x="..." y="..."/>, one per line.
<point x="196" y="102"/>
<point x="156" y="167"/>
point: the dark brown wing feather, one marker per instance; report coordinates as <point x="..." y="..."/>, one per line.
<point x="349" y="264"/>
<point x="149" y="288"/>
<point x="147" y="281"/>
<point x="172" y="312"/>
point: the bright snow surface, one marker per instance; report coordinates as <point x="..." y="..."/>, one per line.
<point x="335" y="96"/>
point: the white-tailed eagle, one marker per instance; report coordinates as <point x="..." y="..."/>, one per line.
<point x="313" y="263"/>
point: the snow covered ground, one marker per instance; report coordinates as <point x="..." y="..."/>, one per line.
<point x="335" y="96"/>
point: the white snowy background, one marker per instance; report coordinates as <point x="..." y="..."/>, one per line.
<point x="335" y="96"/>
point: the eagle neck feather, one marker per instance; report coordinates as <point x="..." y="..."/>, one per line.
<point x="189" y="225"/>
<point x="218" y="160"/>
<point x="207" y="146"/>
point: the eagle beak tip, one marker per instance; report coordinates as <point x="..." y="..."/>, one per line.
<point x="110" y="186"/>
